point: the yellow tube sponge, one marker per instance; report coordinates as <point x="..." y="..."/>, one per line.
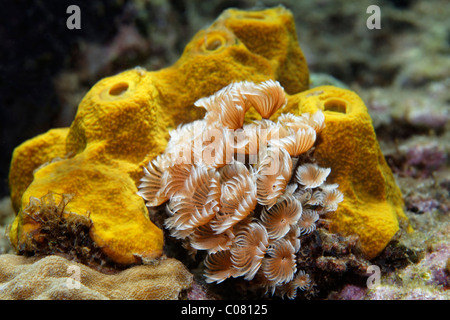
<point x="123" y="122"/>
<point x="373" y="203"/>
<point x="114" y="129"/>
<point x="239" y="46"/>
<point x="32" y="154"/>
<point x="271" y="34"/>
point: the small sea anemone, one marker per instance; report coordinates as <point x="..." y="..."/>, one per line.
<point x="219" y="266"/>
<point x="311" y="175"/>
<point x="280" y="265"/>
<point x="298" y="142"/>
<point x="237" y="199"/>
<point x="249" y="249"/>
<point x="212" y="147"/>
<point x="273" y="175"/>
<point x="197" y="203"/>
<point x="205" y="238"/>
<point x="301" y="281"/>
<point x="233" y="111"/>
<point x="245" y="194"/>
<point x="151" y="187"/>
<point x="227" y="106"/>
<point x="257" y="135"/>
<point x="293" y="236"/>
<point x="279" y="219"/>
<point x="266" y="97"/>
<point x="174" y="179"/>
<point x="331" y="197"/>
<point x="292" y="122"/>
<point x="316" y="120"/>
<point x="307" y="222"/>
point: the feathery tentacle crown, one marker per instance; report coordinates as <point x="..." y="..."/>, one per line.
<point x="244" y="193"/>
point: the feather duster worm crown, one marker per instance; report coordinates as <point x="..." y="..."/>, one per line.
<point x="244" y="193"/>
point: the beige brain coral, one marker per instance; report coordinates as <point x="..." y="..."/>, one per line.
<point x="48" y="278"/>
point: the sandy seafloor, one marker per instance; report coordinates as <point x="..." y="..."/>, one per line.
<point x="401" y="71"/>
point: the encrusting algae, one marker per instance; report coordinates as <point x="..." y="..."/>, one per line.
<point x="122" y="126"/>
